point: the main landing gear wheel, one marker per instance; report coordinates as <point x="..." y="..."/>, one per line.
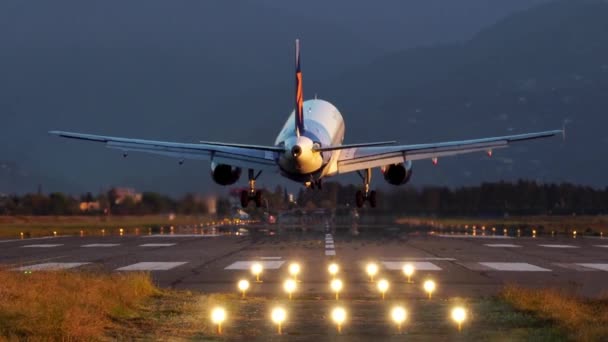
<point x="366" y="195"/>
<point x="252" y="194"/>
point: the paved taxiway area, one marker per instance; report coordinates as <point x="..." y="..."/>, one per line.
<point x="462" y="266"/>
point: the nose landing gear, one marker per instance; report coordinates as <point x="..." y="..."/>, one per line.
<point x="366" y="194"/>
<point x="252" y="194"/>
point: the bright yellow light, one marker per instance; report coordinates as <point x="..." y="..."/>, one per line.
<point x="218" y="316"/>
<point x="289" y="286"/>
<point x="55" y="233"/>
<point x="278" y="316"/>
<point x="338" y="315"/>
<point x="294" y="269"/>
<point x="336" y="286"/>
<point x="383" y="286"/>
<point x="398" y="315"/>
<point x="459" y="315"/>
<point x="372" y="270"/>
<point x="429" y="287"/>
<point x="408" y="270"/>
<point x="243" y="286"/>
<point x="256" y="270"/>
<point x="333" y="269"/>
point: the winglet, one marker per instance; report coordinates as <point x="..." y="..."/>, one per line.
<point x="299" y="94"/>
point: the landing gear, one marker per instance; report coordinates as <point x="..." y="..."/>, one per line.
<point x="366" y="195"/>
<point x="252" y="194"/>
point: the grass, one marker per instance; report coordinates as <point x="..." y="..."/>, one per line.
<point x="33" y="226"/>
<point x="68" y="305"/>
<point x="582" y="319"/>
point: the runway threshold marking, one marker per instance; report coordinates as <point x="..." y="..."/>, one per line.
<point x="152" y="266"/>
<point x="47" y="245"/>
<point x="157" y="245"/>
<point x="246" y="265"/>
<point x="51" y="266"/>
<point x="502" y="245"/>
<point x="330" y="247"/>
<point x="514" y="267"/>
<point x="418" y="265"/>
<point x="558" y="246"/>
<point x="101" y="245"/>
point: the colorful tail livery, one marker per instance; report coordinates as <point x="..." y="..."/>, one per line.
<point x="299" y="93"/>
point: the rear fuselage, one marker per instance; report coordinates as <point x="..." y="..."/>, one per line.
<point x="323" y="127"/>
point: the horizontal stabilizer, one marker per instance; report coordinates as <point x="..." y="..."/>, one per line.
<point x="342" y="147"/>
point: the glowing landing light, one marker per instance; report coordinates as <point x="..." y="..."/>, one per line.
<point x="121" y="231"/>
<point x="398" y="315"/>
<point x="338" y="315"/>
<point x="533" y="233"/>
<point x="21" y="235"/>
<point x="435" y="161"/>
<point x="294" y="270"/>
<point x="383" y="287"/>
<point x="336" y="286"/>
<point x="218" y="316"/>
<point x="54" y="233"/>
<point x="408" y="270"/>
<point x="429" y="287"/>
<point x="243" y="286"/>
<point x="459" y="315"/>
<point x="256" y="270"/>
<point x="333" y="269"/>
<point x="278" y="316"/>
<point x="574" y="234"/>
<point x="289" y="286"/>
<point x="372" y="270"/>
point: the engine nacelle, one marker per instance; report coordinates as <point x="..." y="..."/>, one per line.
<point x="224" y="174"/>
<point x="397" y="174"/>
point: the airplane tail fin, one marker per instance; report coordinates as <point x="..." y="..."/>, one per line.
<point x="299" y="109"/>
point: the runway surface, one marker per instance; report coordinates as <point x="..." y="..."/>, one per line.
<point x="461" y="265"/>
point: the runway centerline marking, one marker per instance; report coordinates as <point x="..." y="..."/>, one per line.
<point x="152" y="266"/>
<point x="157" y="245"/>
<point x="502" y="245"/>
<point x="94" y="245"/>
<point x="246" y="265"/>
<point x="47" y="245"/>
<point x="514" y="267"/>
<point x="330" y="247"/>
<point x="51" y="266"/>
<point x="558" y="246"/>
<point x="418" y="265"/>
<point x="603" y="246"/>
<point x="29" y="239"/>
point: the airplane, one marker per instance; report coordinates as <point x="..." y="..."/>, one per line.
<point x="308" y="149"/>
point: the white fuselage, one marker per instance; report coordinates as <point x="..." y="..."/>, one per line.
<point x="323" y="127"/>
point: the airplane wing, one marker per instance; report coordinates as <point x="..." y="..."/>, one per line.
<point x="244" y="156"/>
<point x="354" y="159"/>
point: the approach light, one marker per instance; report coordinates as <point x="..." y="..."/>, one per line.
<point x="333" y="269"/>
<point x="338" y="315"/>
<point x="218" y="316"/>
<point x="372" y="270"/>
<point x="278" y="316"/>
<point x="429" y="287"/>
<point x="408" y="270"/>
<point x="289" y="286"/>
<point x="256" y="270"/>
<point x="294" y="270"/>
<point x="398" y="315"/>
<point x="243" y="286"/>
<point x="383" y="287"/>
<point x="336" y="286"/>
<point x="459" y="315"/>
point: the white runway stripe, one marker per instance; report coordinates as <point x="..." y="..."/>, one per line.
<point x="271" y="258"/>
<point x="330" y="252"/>
<point x="29" y="239"/>
<point x="558" y="246"/>
<point x="460" y="236"/>
<point x="93" y="245"/>
<point x="51" y="266"/>
<point x="157" y="245"/>
<point x="180" y="235"/>
<point x="48" y="245"/>
<point x="418" y="265"/>
<point x="601" y="267"/>
<point x="514" y="267"/>
<point x="152" y="266"/>
<point x="502" y="245"/>
<point x="246" y="265"/>
<point x="603" y="246"/>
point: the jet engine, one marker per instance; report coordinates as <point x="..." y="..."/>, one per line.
<point x="224" y="174"/>
<point x="397" y="174"/>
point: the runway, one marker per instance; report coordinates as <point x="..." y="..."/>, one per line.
<point x="461" y="265"/>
